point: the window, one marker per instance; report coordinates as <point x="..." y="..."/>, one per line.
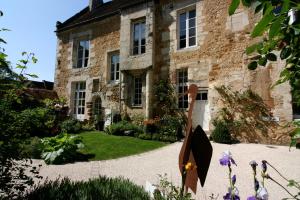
<point x="83" y="51"/>
<point x="97" y="106"/>
<point x="182" y="80"/>
<point x="202" y="96"/>
<point x="96" y="85"/>
<point x="139" y="41"/>
<point x="79" y="99"/>
<point x="115" y="68"/>
<point x="296" y="110"/>
<point x="137" y="99"/>
<point x="187" y="29"/>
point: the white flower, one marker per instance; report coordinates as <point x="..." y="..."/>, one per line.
<point x="262" y="193"/>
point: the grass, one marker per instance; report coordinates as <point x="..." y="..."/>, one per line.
<point x="105" y="147"/>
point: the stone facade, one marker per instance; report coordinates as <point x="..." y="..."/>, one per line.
<point x="218" y="58"/>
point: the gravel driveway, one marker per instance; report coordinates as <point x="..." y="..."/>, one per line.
<point x="146" y="167"/>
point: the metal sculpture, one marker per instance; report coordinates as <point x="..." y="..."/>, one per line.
<point x="196" y="150"/>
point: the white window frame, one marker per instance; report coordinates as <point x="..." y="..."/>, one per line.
<point x="115" y="66"/>
<point x="85" y="57"/>
<point x="137" y="92"/>
<point x="201" y="92"/>
<point x="79" y="100"/>
<point x="141" y="21"/>
<point x="183" y="100"/>
<point x="187" y="30"/>
<point x="97" y="109"/>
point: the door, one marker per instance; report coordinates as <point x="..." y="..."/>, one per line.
<point x="79" y="101"/>
<point x="201" y="113"/>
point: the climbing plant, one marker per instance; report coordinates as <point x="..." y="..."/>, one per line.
<point x="279" y="30"/>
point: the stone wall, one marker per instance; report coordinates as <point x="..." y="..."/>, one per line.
<point x="219" y="57"/>
<point x="104" y="38"/>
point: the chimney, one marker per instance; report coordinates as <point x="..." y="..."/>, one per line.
<point x="94" y="4"/>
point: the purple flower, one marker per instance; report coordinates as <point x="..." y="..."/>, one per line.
<point x="256" y="184"/>
<point x="264" y="166"/>
<point x="233" y="179"/>
<point x="227" y="159"/>
<point x="251" y="198"/>
<point x="262" y="193"/>
<point x="228" y="197"/>
<point x="253" y="165"/>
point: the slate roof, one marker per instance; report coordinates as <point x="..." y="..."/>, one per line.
<point x="103" y="11"/>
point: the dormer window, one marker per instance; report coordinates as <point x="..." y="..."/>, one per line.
<point x="139" y="37"/>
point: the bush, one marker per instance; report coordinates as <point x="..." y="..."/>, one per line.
<point x="101" y="188"/>
<point x="37" y="121"/>
<point x="120" y="128"/>
<point x="71" y="126"/>
<point x="33" y="148"/>
<point x="145" y="136"/>
<point x="221" y="133"/>
<point x="61" y="149"/>
<point x="170" y="128"/>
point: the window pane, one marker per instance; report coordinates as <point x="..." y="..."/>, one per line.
<point x="143" y="32"/>
<point x="192" y="14"/>
<point x="86" y="61"/>
<point x="192" y="41"/>
<point x="204" y="96"/>
<point x="143" y="49"/>
<point x="182" y="21"/>
<point x="135" y="50"/>
<point x="182" y="44"/>
<point x="79" y="63"/>
<point x="192" y="23"/>
<point x="192" y="32"/>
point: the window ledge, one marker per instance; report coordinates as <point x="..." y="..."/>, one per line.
<point x="80" y="69"/>
<point x="135" y="106"/>
<point x="193" y="48"/>
<point x="137" y="55"/>
<point x="113" y="83"/>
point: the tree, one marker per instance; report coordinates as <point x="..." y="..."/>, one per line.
<point x="14" y="178"/>
<point x="279" y="29"/>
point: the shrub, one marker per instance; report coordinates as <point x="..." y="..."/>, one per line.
<point x="101" y="188"/>
<point x="71" y="126"/>
<point x="170" y="128"/>
<point x="120" y="128"/>
<point x="61" y="149"/>
<point x="145" y="136"/>
<point x="221" y="133"/>
<point x="37" y="121"/>
<point x="33" y="148"/>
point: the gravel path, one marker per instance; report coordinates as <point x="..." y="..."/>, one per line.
<point x="146" y="167"/>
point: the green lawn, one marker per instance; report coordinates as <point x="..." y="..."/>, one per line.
<point x="106" y="147"/>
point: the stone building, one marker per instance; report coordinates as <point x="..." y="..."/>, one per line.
<point x="111" y="55"/>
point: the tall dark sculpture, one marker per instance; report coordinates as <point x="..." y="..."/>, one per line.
<point x="196" y="149"/>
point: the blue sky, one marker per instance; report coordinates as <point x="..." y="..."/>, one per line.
<point x="32" y="24"/>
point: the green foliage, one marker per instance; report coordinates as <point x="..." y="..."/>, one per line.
<point x="295" y="136"/>
<point x="33" y="148"/>
<point x="101" y="188"/>
<point x="246" y="115"/>
<point x="37" y="121"/>
<point x="122" y="127"/>
<point x="221" y="133"/>
<point x="61" y="149"/>
<point x="167" y="191"/>
<point x="170" y="128"/>
<point x="71" y="126"/>
<point x="280" y="34"/>
<point x="13" y="158"/>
